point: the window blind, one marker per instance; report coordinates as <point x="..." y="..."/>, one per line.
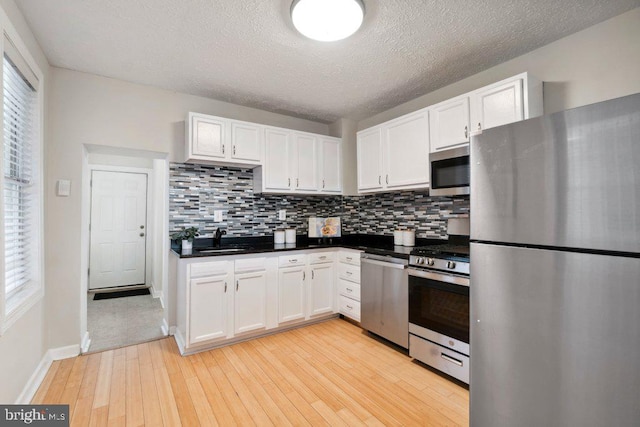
<point x="19" y="180"/>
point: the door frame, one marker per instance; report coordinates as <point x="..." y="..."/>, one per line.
<point x="158" y="184"/>
<point x="148" y="249"/>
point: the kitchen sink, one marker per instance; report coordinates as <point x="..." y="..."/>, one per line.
<point x="220" y="250"/>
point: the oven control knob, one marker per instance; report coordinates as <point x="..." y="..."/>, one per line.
<point x="420" y="260"/>
<point x="451" y="265"/>
<point x="430" y="262"/>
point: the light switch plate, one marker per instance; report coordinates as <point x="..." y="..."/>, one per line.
<point x="217" y="216"/>
<point x="63" y="188"/>
<point x="282" y="214"/>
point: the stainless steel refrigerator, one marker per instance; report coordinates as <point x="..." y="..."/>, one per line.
<point x="555" y="269"/>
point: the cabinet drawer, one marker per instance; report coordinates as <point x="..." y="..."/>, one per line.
<point x="352" y="258"/>
<point x="250" y="264"/>
<point x="349" y="307"/>
<point x="349" y="289"/>
<point x="321" y="257"/>
<point x="291" y="260"/>
<point x="349" y="272"/>
<point x="209" y="268"/>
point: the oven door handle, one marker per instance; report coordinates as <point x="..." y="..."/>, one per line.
<point x="382" y="263"/>
<point x="440" y="277"/>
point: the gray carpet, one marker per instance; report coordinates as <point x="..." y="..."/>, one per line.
<point x="124" y="321"/>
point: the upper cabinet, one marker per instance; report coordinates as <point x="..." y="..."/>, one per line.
<point x="299" y="163"/>
<point x="449" y="123"/>
<point x="507" y="101"/>
<point x="217" y="140"/>
<point x="395" y="154"/>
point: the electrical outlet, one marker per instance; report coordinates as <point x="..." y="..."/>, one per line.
<point x="217" y="216"/>
<point x="282" y="214"/>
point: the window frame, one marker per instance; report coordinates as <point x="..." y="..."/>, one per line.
<point x="20" y="301"/>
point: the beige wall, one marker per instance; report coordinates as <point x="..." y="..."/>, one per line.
<point x="599" y="63"/>
<point x="89" y="109"/>
<point x="23" y="345"/>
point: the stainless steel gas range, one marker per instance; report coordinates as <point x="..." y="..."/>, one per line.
<point x="439" y="305"/>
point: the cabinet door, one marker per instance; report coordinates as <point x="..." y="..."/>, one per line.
<point x="207" y="137"/>
<point x="322" y="290"/>
<point x="369" y="146"/>
<point x="245" y="141"/>
<point x="449" y="123"/>
<point x="208" y="308"/>
<point x="331" y="165"/>
<point x="277" y="159"/>
<point x="305" y="162"/>
<point x="407" y="150"/>
<point x="497" y="105"/>
<point x="250" y="302"/>
<point x="291" y="294"/>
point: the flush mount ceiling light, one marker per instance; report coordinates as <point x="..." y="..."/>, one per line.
<point x="327" y="20"/>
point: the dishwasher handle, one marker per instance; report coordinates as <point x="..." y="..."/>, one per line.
<point x="373" y="261"/>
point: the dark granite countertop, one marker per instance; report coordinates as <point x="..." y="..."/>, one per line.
<point x="380" y="245"/>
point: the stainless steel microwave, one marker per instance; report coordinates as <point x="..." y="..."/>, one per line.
<point x="450" y="172"/>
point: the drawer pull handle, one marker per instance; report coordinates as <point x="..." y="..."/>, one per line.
<point x="349" y="307"/>
<point x="349" y="273"/>
<point x="293" y="260"/>
<point x="225" y="287"/>
<point x="451" y="359"/>
<point x="349" y="290"/>
<point x="349" y="258"/>
<point x="323" y="257"/>
<point x="237" y="285"/>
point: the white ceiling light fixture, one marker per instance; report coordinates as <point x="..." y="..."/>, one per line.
<point x="327" y="20"/>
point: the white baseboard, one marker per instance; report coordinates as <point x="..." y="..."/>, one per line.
<point x="86" y="342"/>
<point x="157" y="294"/>
<point x="34" y="382"/>
<point x="165" y="327"/>
<point x="38" y="375"/>
<point x="180" y="341"/>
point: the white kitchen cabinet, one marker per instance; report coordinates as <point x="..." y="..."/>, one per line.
<point x="330" y="165"/>
<point x="507" y="101"/>
<point x="369" y="155"/>
<point x="395" y="154"/>
<point x="216" y="140"/>
<point x="277" y="160"/>
<point x="206" y="137"/>
<point x="449" y="123"/>
<point x="510" y="100"/>
<point x="291" y="293"/>
<point x="348" y="286"/>
<point x="406" y="143"/>
<point x="250" y="301"/>
<point x="246" y="142"/>
<point x="299" y="163"/>
<point x="210" y="302"/>
<point x="322" y="288"/>
<point x="304" y="166"/>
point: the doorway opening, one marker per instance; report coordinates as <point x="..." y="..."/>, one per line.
<point x="124" y="215"/>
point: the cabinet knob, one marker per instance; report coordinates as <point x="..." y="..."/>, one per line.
<point x="304" y="275"/>
<point x="323" y="183"/>
<point x="312" y="274"/>
<point x="479" y="126"/>
<point x="222" y="148"/>
<point x="387" y="178"/>
<point x="237" y="285"/>
<point x="234" y="150"/>
<point x="225" y="287"/>
<point x="379" y="179"/>
<point x="288" y="182"/>
<point x="141" y="234"/>
<point x="466" y="132"/>
<point x="297" y="182"/>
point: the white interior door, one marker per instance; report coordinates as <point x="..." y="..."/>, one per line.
<point x="118" y="229"/>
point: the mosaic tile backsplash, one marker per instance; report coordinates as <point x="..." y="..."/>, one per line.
<point x="196" y="191"/>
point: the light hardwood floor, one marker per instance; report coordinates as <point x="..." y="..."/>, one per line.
<point x="331" y="373"/>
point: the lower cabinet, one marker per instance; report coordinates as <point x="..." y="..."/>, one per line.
<point x="322" y="288"/>
<point x="250" y="302"/>
<point x="209" y="308"/>
<point x="291" y="281"/>
<point x="238" y="297"/>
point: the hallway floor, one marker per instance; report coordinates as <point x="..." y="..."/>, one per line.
<point x="119" y="322"/>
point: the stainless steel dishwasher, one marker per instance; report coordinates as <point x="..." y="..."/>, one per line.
<point x="384" y="297"/>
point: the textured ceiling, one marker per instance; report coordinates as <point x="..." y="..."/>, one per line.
<point x="247" y="51"/>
